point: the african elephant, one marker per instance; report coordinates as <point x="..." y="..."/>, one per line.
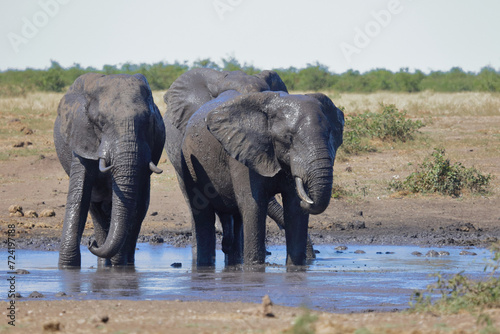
<point x="186" y="95"/>
<point x="239" y="150"/>
<point x="109" y="136"/>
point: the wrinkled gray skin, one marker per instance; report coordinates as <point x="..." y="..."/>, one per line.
<point x="240" y="149"/>
<point x="186" y="95"/>
<point x="109" y="136"/>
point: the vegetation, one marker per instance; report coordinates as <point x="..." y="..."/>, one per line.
<point x="459" y="293"/>
<point x="314" y="77"/>
<point x="388" y="125"/>
<point x="437" y="174"/>
<point x="304" y="324"/>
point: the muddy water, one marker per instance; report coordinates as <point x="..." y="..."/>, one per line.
<point x="383" y="278"/>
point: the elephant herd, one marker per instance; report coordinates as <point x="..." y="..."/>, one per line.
<point x="235" y="141"/>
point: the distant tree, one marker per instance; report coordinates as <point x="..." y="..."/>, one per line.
<point x="205" y="63"/>
<point x="314" y="77"/>
<point x="231" y="64"/>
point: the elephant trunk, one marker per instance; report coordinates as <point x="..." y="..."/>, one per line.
<point x="316" y="188"/>
<point x="125" y="176"/>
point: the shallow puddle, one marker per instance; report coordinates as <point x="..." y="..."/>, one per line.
<point x="383" y="278"/>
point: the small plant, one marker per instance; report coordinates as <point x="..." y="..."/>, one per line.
<point x="461" y="293"/>
<point x="437" y="174"/>
<point x="339" y="191"/>
<point x="303" y="324"/>
<point x="389" y="125"/>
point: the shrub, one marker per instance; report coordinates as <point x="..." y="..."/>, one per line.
<point x="388" y="125"/>
<point x="437" y="174"/>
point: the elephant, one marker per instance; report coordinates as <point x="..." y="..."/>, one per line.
<point x="109" y="136"/>
<point x="243" y="147"/>
<point x="186" y="95"/>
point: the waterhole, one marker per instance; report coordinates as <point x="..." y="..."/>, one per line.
<point x="359" y="278"/>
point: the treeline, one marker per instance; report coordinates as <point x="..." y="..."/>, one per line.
<point x="314" y="77"/>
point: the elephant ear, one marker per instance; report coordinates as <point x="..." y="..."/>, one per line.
<point x="188" y="93"/>
<point x="157" y="131"/>
<point x="273" y="80"/>
<point x="241" y="125"/>
<point x="76" y="126"/>
<point x="334" y="115"/>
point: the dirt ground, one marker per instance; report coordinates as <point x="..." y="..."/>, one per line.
<point x="37" y="184"/>
<point x="369" y="214"/>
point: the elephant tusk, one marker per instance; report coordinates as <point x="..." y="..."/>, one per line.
<point x="301" y="191"/>
<point x="155" y="168"/>
<point x="102" y="166"/>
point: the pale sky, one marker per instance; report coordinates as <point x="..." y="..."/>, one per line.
<point x="362" y="35"/>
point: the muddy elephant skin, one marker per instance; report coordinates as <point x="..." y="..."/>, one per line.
<point x="109" y="136"/>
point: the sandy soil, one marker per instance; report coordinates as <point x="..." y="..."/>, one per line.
<point x="370" y="214"/>
<point x="36" y="183"/>
<point x="124" y="316"/>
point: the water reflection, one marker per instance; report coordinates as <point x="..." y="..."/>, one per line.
<point x="333" y="282"/>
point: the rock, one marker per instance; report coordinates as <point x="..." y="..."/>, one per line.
<point x="359" y="251"/>
<point x="176" y="265"/>
<point x="267" y="305"/>
<point x="467" y="227"/>
<point x="31" y="214"/>
<point x="341" y="248"/>
<point x="61" y="294"/>
<point x="443" y="253"/>
<point x="154" y="213"/>
<point x="156" y="239"/>
<point x="35" y="294"/>
<point x="389" y="253"/>
<point x="26" y="130"/>
<point x="52" y="326"/>
<point x="48" y="213"/>
<point x="99" y="319"/>
<point x="17" y="214"/>
<point x="415" y="253"/>
<point x="432" y="253"/>
<point x="464" y="252"/>
<point x="22" y="144"/>
<point x="22" y="272"/>
<point x="15" y="208"/>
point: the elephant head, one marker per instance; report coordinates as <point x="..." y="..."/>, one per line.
<point x="271" y="132"/>
<point x="113" y="119"/>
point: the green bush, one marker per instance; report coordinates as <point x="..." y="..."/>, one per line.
<point x="438" y="175"/>
<point x="388" y="125"/>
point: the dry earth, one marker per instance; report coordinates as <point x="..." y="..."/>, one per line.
<point x="31" y="177"/>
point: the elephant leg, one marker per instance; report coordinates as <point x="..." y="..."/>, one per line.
<point x="275" y="212"/>
<point x="226" y="221"/>
<point x="236" y="255"/>
<point x="101" y="216"/>
<point x="81" y="179"/>
<point x="296" y="222"/>
<point x="253" y="216"/>
<point x="204" y="235"/>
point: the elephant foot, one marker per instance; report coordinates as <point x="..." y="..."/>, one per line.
<point x="102" y="262"/>
<point x="69" y="262"/>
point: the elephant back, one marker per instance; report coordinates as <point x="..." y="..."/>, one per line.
<point x="198" y="86"/>
<point x="188" y="93"/>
